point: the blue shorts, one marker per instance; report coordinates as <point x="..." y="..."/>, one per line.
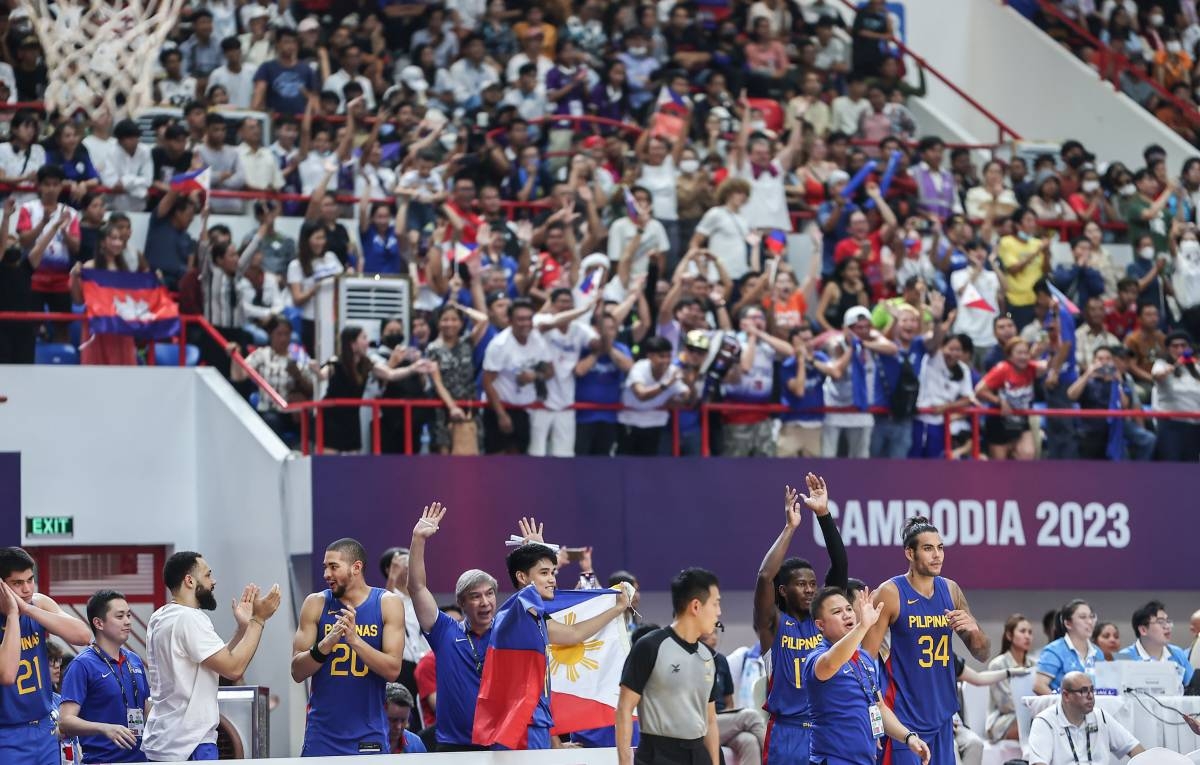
<point x="34" y="743"/>
<point x="941" y="748"/>
<point x="831" y="761"/>
<point x="324" y="746"/>
<point x="204" y="752"/>
<point x="787" y="742"/>
<point x="536" y="738"/>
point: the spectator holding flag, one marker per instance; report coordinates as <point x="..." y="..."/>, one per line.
<point x="1009" y="386"/>
<point x="104" y="348"/>
<point x="1051" y="336"/>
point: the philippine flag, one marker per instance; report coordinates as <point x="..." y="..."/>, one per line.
<point x="582" y="680"/>
<point x="129" y="304"/>
<point x="973" y="298"/>
<point x="776" y="241"/>
<point x="464" y="252"/>
<point x="196" y="180"/>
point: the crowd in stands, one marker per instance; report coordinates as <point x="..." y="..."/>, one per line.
<point x="646" y="261"/>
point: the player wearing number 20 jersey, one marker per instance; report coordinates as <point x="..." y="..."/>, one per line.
<point x="350" y="641"/>
<point x="923" y="610"/>
<point x="782" y="599"/>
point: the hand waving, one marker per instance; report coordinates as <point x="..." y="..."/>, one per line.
<point x="430" y="521"/>
<point x="791" y="508"/>
<point x="870" y="612"/>
<point x="531" y="530"/>
<point x="265" y="607"/>
<point x="818" y="497"/>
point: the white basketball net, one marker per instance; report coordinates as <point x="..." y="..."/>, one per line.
<point x="96" y="51"/>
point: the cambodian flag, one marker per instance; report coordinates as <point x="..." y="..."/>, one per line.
<point x="196" y="180"/>
<point x="124" y="303"/>
<point x="776" y="242"/>
<point x="520" y="667"/>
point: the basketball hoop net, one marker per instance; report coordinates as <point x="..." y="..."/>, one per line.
<point x="101" y="54"/>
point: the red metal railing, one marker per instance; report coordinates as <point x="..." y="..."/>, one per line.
<point x="975" y="413"/>
<point x="1112" y="64"/>
<point x="1002" y="127"/>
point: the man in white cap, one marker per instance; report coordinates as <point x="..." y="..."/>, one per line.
<point x="257" y="46"/>
<point x="851" y="383"/>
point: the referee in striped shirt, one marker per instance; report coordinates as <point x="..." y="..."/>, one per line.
<point x="670" y="677"/>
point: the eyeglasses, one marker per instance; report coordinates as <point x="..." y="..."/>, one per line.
<point x="1081" y="692"/>
<point x="1163" y="623"/>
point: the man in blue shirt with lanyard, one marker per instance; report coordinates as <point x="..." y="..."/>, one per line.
<point x="460" y="647"/>
<point x="843" y="687"/>
<point x="105" y="691"/>
<point x="27" y="734"/>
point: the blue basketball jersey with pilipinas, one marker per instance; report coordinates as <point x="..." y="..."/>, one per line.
<point x="346" y="713"/>
<point x="794" y="641"/>
<point x="921" y="684"/>
<point x="28" y="699"/>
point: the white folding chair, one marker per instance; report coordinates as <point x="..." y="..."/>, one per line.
<point x="1160" y="756"/>
<point x="1195" y="756"/>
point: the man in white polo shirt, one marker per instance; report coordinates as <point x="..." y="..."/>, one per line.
<point x="1073" y="731"/>
<point x="651" y="384"/>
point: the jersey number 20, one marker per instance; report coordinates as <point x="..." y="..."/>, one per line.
<point x="346" y="663"/>
<point x="934" y="652"/>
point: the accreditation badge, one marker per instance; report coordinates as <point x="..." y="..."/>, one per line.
<point x="134" y="720"/>
<point x="876" y="717"/>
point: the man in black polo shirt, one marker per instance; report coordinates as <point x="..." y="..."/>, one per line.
<point x="670" y="676"/>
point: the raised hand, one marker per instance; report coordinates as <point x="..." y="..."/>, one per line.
<point x="531" y="530"/>
<point x="243" y="607"/>
<point x="861" y="599"/>
<point x="818" y="497"/>
<point x="349" y="625"/>
<point x="870" y="612"/>
<point x="430" y="521"/>
<point x="962" y="620"/>
<point x="266" y="606"/>
<point x="791" y="508"/>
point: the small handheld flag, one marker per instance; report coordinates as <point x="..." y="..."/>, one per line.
<point x="195" y="180"/>
<point x="464" y="252"/>
<point x="973" y="298"/>
<point x="776" y="241"/>
<point x="631" y="208"/>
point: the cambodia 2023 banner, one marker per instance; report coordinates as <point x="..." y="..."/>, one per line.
<point x="1031" y="525"/>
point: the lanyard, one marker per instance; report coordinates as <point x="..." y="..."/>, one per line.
<point x="872" y="694"/>
<point x="474" y="653"/>
<point x="117" y="676"/>
<point x="1087" y="732"/>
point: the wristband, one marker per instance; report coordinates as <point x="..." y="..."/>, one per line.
<point x="1008" y="673"/>
<point x="316" y="654"/>
<point x="909" y="735"/>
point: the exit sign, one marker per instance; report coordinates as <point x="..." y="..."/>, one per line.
<point x="50" y="526"/>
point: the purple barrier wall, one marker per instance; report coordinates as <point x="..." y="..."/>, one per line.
<point x="1034" y="525"/>
<point x="10" y="498"/>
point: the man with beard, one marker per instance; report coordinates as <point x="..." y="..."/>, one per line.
<point x="922" y="609"/>
<point x="27" y="619"/>
<point x="350" y="641"/>
<point x="458" y="647"/>
<point x="185" y="656"/>
<point x="785" y="626"/>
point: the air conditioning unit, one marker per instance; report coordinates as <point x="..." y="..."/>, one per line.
<point x="244" y="731"/>
<point x="368" y="300"/>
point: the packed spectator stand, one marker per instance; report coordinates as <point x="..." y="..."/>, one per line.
<point x="596" y="207"/>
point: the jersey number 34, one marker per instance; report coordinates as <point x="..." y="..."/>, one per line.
<point x="934" y="650"/>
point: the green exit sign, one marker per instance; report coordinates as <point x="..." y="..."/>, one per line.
<point x="50" y="526"/>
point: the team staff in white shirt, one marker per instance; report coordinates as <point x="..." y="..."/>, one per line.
<point x="185" y="655"/>
<point x="1073" y="732"/>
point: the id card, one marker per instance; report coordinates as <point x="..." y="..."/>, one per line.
<point x="135" y="721"/>
<point x="876" y="720"/>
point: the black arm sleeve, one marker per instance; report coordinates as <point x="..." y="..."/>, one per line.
<point x="640" y="663"/>
<point x="839" y="565"/>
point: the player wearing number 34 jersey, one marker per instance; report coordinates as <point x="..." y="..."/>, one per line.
<point x="786" y="631"/>
<point x="922" y="610"/>
<point x="350" y="641"/>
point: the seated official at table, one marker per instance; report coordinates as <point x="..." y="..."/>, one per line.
<point x="1074" y="731"/>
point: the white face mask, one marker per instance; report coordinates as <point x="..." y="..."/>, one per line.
<point x="1128" y="190"/>
<point x="689" y="165"/>
<point x="1174" y="47"/>
<point x="638" y="50"/>
<point x="1189" y="247"/>
<point x="1090" y="186"/>
<point x="1146" y="253"/>
<point x="758" y="125"/>
<point x="1156" y="20"/>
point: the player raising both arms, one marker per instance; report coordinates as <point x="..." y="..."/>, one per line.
<point x="350" y="641"/>
<point x="923" y="609"/>
<point x="782" y="599"/>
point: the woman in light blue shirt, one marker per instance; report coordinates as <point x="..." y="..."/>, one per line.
<point x="1071" y="651"/>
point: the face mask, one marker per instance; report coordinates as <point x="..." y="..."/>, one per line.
<point x="1189" y="247"/>
<point x="758" y="125"/>
<point x="1146" y="253"/>
<point x="394" y="340"/>
<point x="1128" y="190"/>
<point x="689" y="165"/>
<point x="1156" y="20"/>
<point x="1090" y="186"/>
<point x="1023" y="236"/>
<point x="1174" y="47"/>
<point x="638" y="50"/>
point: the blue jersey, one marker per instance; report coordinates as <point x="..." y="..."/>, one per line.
<point x="795" y="640"/>
<point x="105" y="688"/>
<point x="460" y="656"/>
<point x="346" y="713"/>
<point x="920" y="668"/>
<point x="814" y="393"/>
<point x="28" y="699"/>
<point x="841" y="720"/>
